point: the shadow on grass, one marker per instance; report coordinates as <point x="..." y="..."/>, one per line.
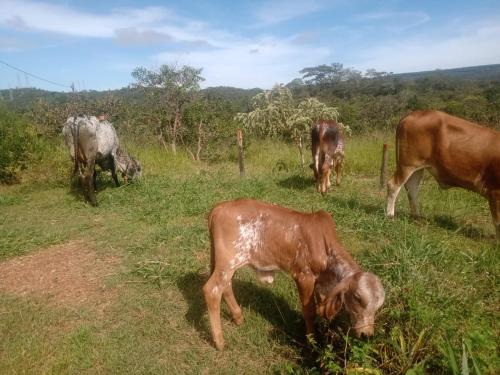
<point x="103" y="181"/>
<point x="354" y="204"/>
<point x="288" y="323"/>
<point x="297" y="182"/>
<point x="447" y="222"/>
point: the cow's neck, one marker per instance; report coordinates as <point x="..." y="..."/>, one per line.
<point x="341" y="264"/>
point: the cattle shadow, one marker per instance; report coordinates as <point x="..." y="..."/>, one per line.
<point x="296" y="182"/>
<point x="104" y="181"/>
<point x="354" y="204"/>
<point x="447" y="222"/>
<point x="288" y="325"/>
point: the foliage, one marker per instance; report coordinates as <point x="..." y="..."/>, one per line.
<point x="202" y="125"/>
<point x="329" y="74"/>
<point x="49" y="117"/>
<point x="17" y="142"/>
<point x="169" y="90"/>
<point x="466" y="356"/>
<point x="274" y="113"/>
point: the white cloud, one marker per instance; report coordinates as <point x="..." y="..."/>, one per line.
<point x="133" y="36"/>
<point x="474" y="44"/>
<point x="283" y="10"/>
<point x="127" y="26"/>
<point x="249" y="64"/>
<point x="64" y="20"/>
<point x="395" y="21"/>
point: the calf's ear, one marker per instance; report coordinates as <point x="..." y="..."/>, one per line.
<point x="334" y="305"/>
<point x="335" y="299"/>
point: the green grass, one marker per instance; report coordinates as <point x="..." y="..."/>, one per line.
<point x="440" y="272"/>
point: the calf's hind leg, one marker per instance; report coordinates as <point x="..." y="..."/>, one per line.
<point x="412" y="186"/>
<point x="494" y="201"/>
<point x="235" y="309"/>
<point x="217" y="285"/>
<point x="394" y="186"/>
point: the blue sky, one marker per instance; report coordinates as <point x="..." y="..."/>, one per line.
<point x="97" y="44"/>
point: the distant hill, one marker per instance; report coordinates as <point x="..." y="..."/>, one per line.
<point x="23" y="98"/>
<point x="228" y="92"/>
<point x="475" y="73"/>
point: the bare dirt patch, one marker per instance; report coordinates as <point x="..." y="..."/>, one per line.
<point x="71" y="274"/>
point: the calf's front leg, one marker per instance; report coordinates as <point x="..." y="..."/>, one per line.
<point x="305" y="284"/>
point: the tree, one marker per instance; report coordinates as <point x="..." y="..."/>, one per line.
<point x="275" y="114"/>
<point x="329" y="74"/>
<point x="17" y="142"/>
<point x="169" y="90"/>
<point x="200" y="117"/>
<point x="308" y="112"/>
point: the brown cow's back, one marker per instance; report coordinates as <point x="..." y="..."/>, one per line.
<point x="286" y="238"/>
<point x="457" y="152"/>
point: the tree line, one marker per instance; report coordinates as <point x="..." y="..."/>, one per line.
<point x="167" y="106"/>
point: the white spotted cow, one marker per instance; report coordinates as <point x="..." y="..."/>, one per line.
<point x="91" y="141"/>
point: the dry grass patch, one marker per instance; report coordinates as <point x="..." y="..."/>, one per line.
<point x="67" y="275"/>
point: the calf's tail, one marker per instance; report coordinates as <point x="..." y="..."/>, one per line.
<point x="212" y="245"/>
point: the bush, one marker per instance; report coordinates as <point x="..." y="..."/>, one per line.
<point x="17" y="142"/>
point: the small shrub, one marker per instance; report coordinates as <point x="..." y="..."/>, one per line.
<point x="17" y="142"/>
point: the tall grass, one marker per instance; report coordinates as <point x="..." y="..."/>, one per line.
<point x="440" y="272"/>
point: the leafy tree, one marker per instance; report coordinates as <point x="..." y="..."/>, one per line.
<point x="17" y="142"/>
<point x="329" y="74"/>
<point x="49" y="117"/>
<point x="169" y="90"/>
<point x="275" y="114"/>
<point x="201" y="119"/>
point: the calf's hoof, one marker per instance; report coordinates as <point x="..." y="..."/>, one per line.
<point x="238" y="320"/>
<point x="219" y="345"/>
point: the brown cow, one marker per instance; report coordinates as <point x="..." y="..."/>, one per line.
<point x="327" y="146"/>
<point x="458" y="153"/>
<point x="269" y="238"/>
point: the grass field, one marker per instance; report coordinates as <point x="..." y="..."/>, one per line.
<point x="440" y="272"/>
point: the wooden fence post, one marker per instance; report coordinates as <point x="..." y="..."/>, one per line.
<point x="241" y="156"/>
<point x="383" y="167"/>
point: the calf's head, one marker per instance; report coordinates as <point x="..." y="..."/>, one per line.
<point x="361" y="294"/>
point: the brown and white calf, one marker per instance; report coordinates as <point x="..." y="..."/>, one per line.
<point x="327" y="146"/>
<point x="269" y="238"/>
<point x="458" y="153"/>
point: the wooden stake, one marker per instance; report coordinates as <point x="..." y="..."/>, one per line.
<point x="241" y="156"/>
<point x="383" y="167"/>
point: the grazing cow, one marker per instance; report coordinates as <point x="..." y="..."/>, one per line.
<point x="269" y="238"/>
<point x="327" y="146"/>
<point x="91" y="141"/>
<point x="458" y="153"/>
